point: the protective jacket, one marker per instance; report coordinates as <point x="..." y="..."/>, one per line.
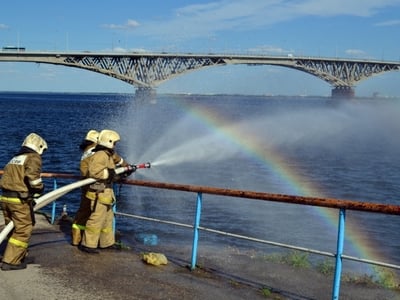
<point x="89" y="192"/>
<point x="84" y="164"/>
<point x="22" y="174"/>
<point x="20" y="181"/>
<point x="98" y="229"/>
<point x="101" y="166"/>
<point x="118" y="160"/>
<point x="88" y="152"/>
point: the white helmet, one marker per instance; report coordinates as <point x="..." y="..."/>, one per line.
<point x="35" y="142"/>
<point x="108" y="138"/>
<point x="92" y="136"/>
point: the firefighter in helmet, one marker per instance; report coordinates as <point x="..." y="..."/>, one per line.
<point x="87" y="146"/>
<point x="101" y="166"/>
<point x="21" y="184"/>
<point x="78" y="225"/>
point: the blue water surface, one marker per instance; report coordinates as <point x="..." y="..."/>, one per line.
<point x="337" y="149"/>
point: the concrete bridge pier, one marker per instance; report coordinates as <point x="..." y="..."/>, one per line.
<point x="343" y="92"/>
<point x="144" y="93"/>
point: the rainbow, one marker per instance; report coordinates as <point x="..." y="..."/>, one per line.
<point x="295" y="184"/>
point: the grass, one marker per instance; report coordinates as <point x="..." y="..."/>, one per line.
<point x="383" y="277"/>
<point x="386" y="278"/>
<point x="297" y="259"/>
<point x="326" y="267"/>
<point x="294" y="258"/>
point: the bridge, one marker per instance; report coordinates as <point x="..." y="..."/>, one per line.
<point x="146" y="71"/>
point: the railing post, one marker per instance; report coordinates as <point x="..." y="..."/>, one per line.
<point x="53" y="209"/>
<point x="196" y="231"/>
<point x="339" y="252"/>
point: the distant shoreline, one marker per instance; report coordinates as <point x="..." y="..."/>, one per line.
<point x="184" y="95"/>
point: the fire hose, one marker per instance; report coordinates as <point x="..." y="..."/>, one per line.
<point x="57" y="193"/>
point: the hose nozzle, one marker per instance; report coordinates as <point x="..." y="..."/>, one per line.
<point x="146" y="165"/>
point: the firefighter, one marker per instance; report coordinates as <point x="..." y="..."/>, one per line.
<point x="21" y="184"/>
<point x="83" y="213"/>
<point x="87" y="146"/>
<point x="101" y="166"/>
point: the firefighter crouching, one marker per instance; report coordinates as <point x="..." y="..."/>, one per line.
<point x="21" y="183"/>
<point x="101" y="166"/>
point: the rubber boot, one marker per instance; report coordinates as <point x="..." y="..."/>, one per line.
<point x="10" y="267"/>
<point x="76" y="236"/>
<point x="88" y="250"/>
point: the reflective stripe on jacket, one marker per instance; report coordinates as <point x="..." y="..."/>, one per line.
<point x="11" y="200"/>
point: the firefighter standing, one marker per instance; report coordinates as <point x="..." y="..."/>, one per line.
<point x="21" y="183"/>
<point x="84" y="211"/>
<point x="101" y="166"/>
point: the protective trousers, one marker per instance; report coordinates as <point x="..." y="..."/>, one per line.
<point x="81" y="217"/>
<point x="99" y="226"/>
<point x="17" y="246"/>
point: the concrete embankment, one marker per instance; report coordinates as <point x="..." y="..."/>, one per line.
<point x="62" y="271"/>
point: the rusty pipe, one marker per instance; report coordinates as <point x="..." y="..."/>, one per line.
<point x="303" y="200"/>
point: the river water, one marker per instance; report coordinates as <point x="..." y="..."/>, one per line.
<point x="291" y="145"/>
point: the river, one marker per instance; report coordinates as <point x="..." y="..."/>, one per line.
<point x="344" y="149"/>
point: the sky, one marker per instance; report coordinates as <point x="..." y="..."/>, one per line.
<point x="365" y="29"/>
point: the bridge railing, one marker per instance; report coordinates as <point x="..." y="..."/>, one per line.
<point x="340" y="205"/>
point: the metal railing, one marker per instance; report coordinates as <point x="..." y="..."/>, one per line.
<point x="341" y="205"/>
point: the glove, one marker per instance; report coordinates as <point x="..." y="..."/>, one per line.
<point x="130" y="169"/>
<point x="35" y="193"/>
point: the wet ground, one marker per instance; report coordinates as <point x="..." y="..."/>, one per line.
<point x="61" y="271"/>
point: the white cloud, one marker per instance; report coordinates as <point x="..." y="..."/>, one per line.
<point x="324" y="8"/>
<point x="205" y="20"/>
<point x="389" y="23"/>
<point x="130" y="24"/>
<point x="3" y="26"/>
<point x="355" y="52"/>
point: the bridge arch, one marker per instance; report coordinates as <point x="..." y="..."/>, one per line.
<point x="146" y="71"/>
